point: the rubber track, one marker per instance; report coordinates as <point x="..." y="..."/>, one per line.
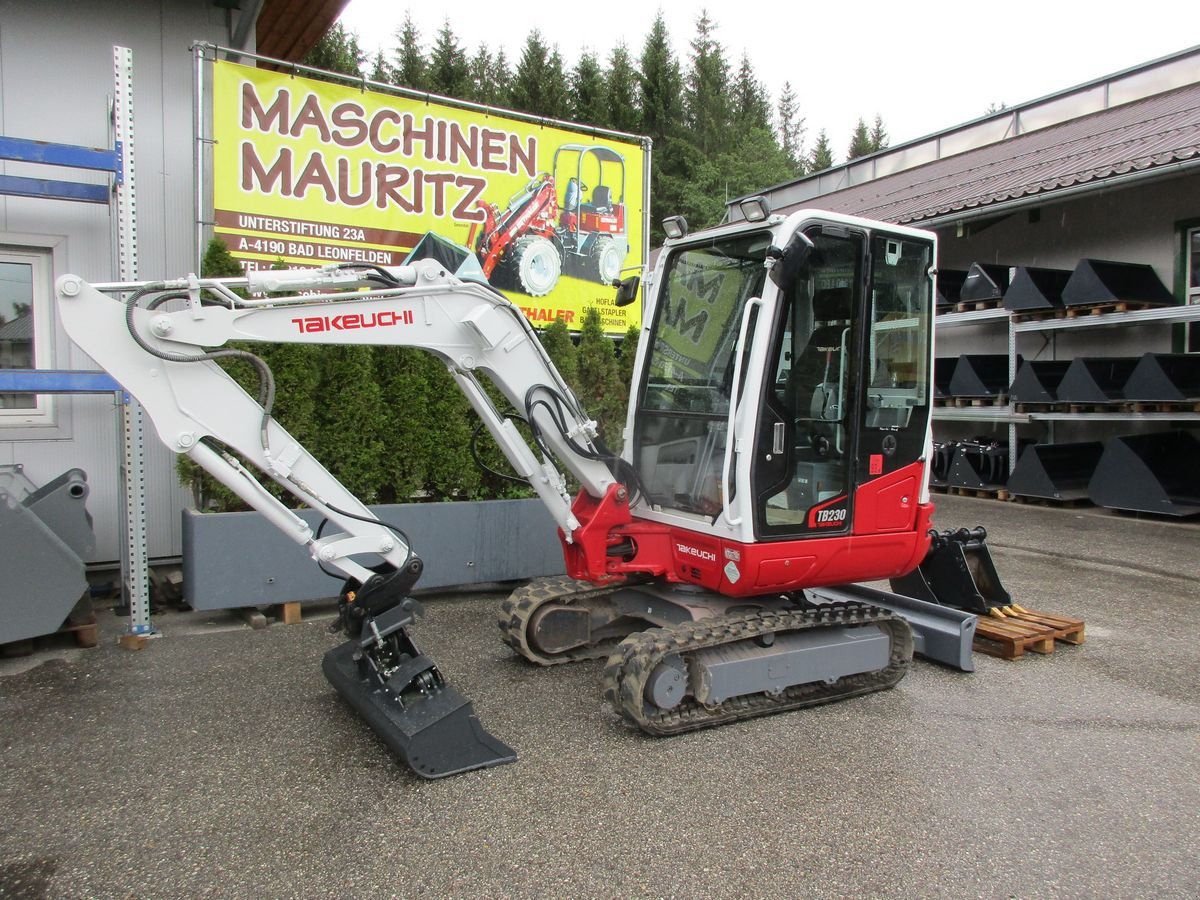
<point x="636" y="657"/>
<point x="518" y="608"/>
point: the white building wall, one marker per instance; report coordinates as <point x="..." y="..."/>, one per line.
<point x="56" y="78"/>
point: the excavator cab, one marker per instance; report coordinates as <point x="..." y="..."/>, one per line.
<point x="816" y="358"/>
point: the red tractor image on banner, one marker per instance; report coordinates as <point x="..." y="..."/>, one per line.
<point x="544" y="232"/>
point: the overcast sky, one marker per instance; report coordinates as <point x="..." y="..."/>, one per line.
<point x="923" y="65"/>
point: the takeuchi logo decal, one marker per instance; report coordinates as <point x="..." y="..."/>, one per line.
<point x="353" y="321"/>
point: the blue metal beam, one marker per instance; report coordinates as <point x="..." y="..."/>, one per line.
<point x="49" y="154"/>
<point x="56" y="381"/>
<point x="17" y="186"/>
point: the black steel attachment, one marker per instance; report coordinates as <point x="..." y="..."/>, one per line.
<point x="406" y="700"/>
<point x="1153" y="473"/>
<point x="397" y="689"/>
<point x="1102" y="281"/>
<point x="957" y="571"/>
<point x="1036" y="289"/>
<point x="1055" y="471"/>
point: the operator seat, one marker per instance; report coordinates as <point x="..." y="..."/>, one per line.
<point x="812" y="390"/>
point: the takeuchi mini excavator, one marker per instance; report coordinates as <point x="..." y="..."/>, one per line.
<point x="776" y="450"/>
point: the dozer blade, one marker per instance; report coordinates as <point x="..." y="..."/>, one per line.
<point x="406" y="701"/>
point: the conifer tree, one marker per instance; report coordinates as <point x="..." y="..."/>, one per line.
<point x="448" y="73"/>
<point x="381" y="71"/>
<point x="501" y="77"/>
<point x="626" y="359"/>
<point x="620" y="87"/>
<point x="556" y="338"/>
<point x="659" y="85"/>
<point x="821" y="157"/>
<point x="539" y="84"/>
<point x="337" y="51"/>
<point x="706" y="91"/>
<point x="588" y="99"/>
<point x="751" y="107"/>
<point x="600" y="390"/>
<point x="860" y="141"/>
<point x="660" y="89"/>
<point x="410" y="66"/>
<point x="879" y="135"/>
<point x="791" y="129"/>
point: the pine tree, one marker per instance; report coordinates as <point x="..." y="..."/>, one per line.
<point x="588" y="99"/>
<point x="501" y="77"/>
<point x="381" y="71"/>
<point x="600" y="390"/>
<point x="660" y="98"/>
<point x="337" y="51"/>
<point x="557" y="94"/>
<point x="822" y="153"/>
<point x="479" y="73"/>
<point x="534" y="87"/>
<point x="410" y="68"/>
<point x="879" y="135"/>
<point x="556" y="338"/>
<point x="860" y="141"/>
<point x="660" y="86"/>
<point x="751" y="106"/>
<point x="706" y="93"/>
<point x="448" y="69"/>
<point x="620" y="88"/>
<point x="791" y="129"/>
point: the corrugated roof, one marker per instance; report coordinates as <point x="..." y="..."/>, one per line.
<point x="1141" y="135"/>
<point x="19" y="329"/>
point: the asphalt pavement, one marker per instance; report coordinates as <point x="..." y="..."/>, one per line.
<point x="218" y="762"/>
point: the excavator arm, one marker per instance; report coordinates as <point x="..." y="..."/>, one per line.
<point x="162" y="340"/>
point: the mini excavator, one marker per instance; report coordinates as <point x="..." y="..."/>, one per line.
<point x="776" y="451"/>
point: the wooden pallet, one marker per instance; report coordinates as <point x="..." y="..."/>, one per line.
<point x="1147" y="406"/>
<point x="996" y="493"/>
<point x="1098" y="309"/>
<point x="995" y="400"/>
<point x="1010" y="637"/>
<point x="977" y="305"/>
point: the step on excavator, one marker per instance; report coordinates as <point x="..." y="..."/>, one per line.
<point x="776" y="452"/>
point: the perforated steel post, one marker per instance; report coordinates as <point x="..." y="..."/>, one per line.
<point x="134" y="555"/>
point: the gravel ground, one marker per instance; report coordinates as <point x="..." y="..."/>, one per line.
<point x="218" y="762"/>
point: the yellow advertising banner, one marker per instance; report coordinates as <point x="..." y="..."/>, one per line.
<point x="313" y="173"/>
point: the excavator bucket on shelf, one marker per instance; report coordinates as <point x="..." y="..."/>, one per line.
<point x="958" y="571"/>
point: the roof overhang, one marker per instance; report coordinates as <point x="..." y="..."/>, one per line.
<point x="288" y="29"/>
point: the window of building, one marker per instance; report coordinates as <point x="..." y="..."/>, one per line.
<point x="25" y="330"/>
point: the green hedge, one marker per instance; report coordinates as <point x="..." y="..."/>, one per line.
<point x="390" y="422"/>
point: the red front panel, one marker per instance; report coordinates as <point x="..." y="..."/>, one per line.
<point x="889" y="537"/>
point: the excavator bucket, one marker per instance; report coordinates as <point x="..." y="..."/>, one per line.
<point x="406" y="701"/>
<point x="457" y="259"/>
<point x="957" y="571"/>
